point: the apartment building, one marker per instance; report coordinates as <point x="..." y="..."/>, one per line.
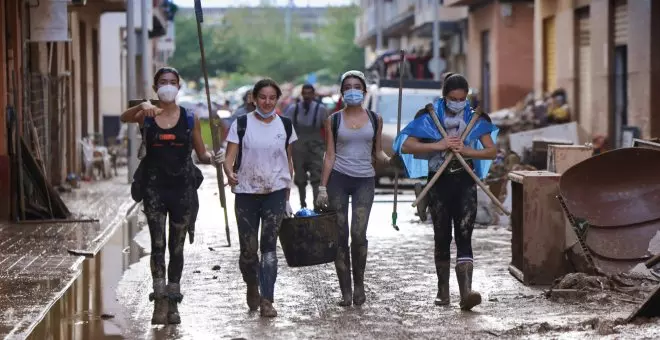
<point x="408" y="25"/>
<point x="606" y="54"/>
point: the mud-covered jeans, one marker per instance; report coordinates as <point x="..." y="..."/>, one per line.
<point x="361" y="190"/>
<point x="251" y="209"/>
<point x="453" y="198"/>
<point x="181" y="204"/>
<point x="308" y="158"/>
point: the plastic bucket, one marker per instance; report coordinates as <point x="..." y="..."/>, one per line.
<point x="309" y="241"/>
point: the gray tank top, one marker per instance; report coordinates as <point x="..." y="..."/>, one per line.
<point x="353" y="153"/>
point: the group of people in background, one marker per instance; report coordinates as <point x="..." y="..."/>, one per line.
<point x="333" y="152"/>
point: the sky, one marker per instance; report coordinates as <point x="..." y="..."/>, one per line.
<point x="299" y="3"/>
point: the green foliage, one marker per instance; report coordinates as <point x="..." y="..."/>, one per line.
<point x="249" y="42"/>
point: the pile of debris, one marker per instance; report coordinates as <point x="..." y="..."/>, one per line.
<point x="602" y="289"/>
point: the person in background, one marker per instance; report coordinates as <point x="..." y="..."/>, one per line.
<point x="353" y="139"/>
<point x="558" y="110"/>
<point x="259" y="169"/>
<point x="308" y="116"/>
<point x="247" y="106"/>
<point x="170" y="186"/>
<point x="453" y="198"/>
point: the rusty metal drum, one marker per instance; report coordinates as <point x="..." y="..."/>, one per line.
<point x="310" y="241"/>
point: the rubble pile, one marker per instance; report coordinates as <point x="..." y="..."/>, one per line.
<point x="582" y="287"/>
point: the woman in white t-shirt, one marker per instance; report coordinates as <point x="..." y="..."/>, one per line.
<point x="259" y="169"/>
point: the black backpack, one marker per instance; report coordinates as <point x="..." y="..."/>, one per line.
<point x="241" y="125"/>
<point x="336" y="119"/>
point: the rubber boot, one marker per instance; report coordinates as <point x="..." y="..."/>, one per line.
<point x="302" y="192"/>
<point x="267" y="309"/>
<point x="469" y="298"/>
<point x="359" y="258"/>
<point x="343" y="266"/>
<point x="442" y="269"/>
<point x="253" y="297"/>
<point x="159" y="297"/>
<point x="174" y="297"/>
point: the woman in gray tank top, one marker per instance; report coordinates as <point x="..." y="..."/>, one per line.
<point x="353" y="136"/>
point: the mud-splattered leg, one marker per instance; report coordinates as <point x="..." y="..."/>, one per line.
<point x="247" y="209"/>
<point x="363" y="199"/>
<point x="156" y="213"/>
<point x="440" y="199"/>
<point x="338" y="195"/>
<point x="316" y="152"/>
<point x="465" y="213"/>
<point x="300" y="177"/>
<point x="181" y="206"/>
<point x="272" y="212"/>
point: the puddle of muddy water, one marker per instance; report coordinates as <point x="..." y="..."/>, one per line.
<point x="89" y="308"/>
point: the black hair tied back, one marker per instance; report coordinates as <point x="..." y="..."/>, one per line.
<point x="454" y="81"/>
<point x="164" y="70"/>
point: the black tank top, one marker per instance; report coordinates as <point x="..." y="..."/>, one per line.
<point x="169" y="153"/>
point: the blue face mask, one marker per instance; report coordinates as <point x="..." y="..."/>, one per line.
<point x="353" y="97"/>
<point x="265" y="115"/>
<point x="456" y="107"/>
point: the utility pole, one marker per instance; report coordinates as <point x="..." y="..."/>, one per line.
<point x="144" y="43"/>
<point x="379" y="25"/>
<point x="131" y="87"/>
<point x="287" y="23"/>
<point x="436" y="40"/>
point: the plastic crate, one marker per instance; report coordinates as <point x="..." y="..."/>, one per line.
<point x="309" y="241"/>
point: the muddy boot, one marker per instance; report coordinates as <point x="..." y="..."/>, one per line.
<point x="469" y="298"/>
<point x="159" y="297"/>
<point x="442" y="269"/>
<point x="174" y="297"/>
<point x="267" y="309"/>
<point x="343" y="266"/>
<point x="253" y="298"/>
<point x="359" y="258"/>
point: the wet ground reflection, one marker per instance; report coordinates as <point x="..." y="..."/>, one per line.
<point x="89" y="309"/>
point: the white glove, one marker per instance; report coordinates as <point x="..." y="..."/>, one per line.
<point x="218" y="158"/>
<point x="289" y="210"/>
<point x="322" y="198"/>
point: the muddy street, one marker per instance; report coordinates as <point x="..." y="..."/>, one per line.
<point x="400" y="282"/>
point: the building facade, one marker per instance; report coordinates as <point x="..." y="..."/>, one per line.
<point x="606" y="54"/>
<point x="407" y="24"/>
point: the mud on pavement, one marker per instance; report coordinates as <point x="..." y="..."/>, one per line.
<point x="400" y="282"/>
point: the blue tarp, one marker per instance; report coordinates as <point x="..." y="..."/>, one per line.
<point x="424" y="128"/>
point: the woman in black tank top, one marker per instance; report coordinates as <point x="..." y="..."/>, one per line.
<point x="170" y="181"/>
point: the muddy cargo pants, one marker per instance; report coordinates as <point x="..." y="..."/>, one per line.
<point x="308" y="165"/>
<point x="269" y="210"/>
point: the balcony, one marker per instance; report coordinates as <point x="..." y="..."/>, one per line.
<point x="449" y="17"/>
<point x="398" y="17"/>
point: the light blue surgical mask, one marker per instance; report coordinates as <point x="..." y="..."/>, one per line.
<point x="353" y="97"/>
<point x="456" y="107"/>
<point x="265" y="115"/>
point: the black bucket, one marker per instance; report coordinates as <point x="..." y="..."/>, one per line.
<point x="309" y="241"/>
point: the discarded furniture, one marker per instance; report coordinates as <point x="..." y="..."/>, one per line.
<point x="520" y="141"/>
<point x="562" y="157"/>
<point x="537" y="228"/>
<point x="640" y="143"/>
<point x="617" y="194"/>
<point x="538" y="154"/>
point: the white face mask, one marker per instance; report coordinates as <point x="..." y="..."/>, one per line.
<point x="167" y="93"/>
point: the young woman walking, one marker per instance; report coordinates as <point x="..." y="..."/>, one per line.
<point x="353" y="138"/>
<point x="259" y="169"/>
<point x="453" y="198"/>
<point x="170" y="181"/>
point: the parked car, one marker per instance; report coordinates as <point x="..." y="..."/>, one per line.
<point x="383" y="98"/>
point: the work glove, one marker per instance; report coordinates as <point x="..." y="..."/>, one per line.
<point x="218" y="158"/>
<point x="289" y="210"/>
<point x="322" y="198"/>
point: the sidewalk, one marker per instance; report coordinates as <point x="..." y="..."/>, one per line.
<point x="38" y="262"/>
<point x="400" y="281"/>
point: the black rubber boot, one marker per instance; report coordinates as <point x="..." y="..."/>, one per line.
<point x="174" y="298"/>
<point x="359" y="258"/>
<point x="159" y="297"/>
<point x="442" y="269"/>
<point x="253" y="297"/>
<point x="343" y="266"/>
<point x="469" y="298"/>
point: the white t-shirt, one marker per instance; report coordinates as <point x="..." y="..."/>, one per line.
<point x="264" y="163"/>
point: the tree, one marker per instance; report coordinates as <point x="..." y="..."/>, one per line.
<point x="336" y="40"/>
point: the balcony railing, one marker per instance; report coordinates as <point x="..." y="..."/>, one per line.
<point x="424" y="13"/>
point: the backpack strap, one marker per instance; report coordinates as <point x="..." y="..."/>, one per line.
<point x="288" y="127"/>
<point x="335" y="119"/>
<point x="241" y="125"/>
<point x="373" y="116"/>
